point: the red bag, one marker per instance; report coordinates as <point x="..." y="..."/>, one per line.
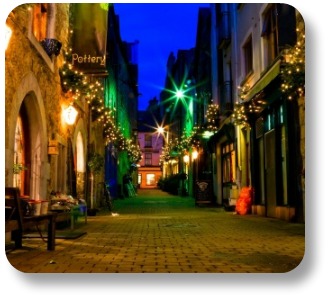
<point x="244" y="202"/>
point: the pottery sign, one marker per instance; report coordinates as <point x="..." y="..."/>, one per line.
<point x="89" y="37"/>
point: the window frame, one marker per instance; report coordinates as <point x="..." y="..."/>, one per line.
<point x="248" y="56"/>
<point x="148" y="160"/>
<point x="269" y="35"/>
<point x="34" y="40"/>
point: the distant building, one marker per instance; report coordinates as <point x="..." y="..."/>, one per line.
<point x="121" y="102"/>
<point x="150" y="143"/>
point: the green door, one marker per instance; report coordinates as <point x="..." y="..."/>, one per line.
<point x="270" y="172"/>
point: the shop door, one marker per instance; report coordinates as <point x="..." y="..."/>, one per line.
<point x="270" y="172"/>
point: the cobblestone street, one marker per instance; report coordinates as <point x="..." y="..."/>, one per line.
<point x="160" y="233"/>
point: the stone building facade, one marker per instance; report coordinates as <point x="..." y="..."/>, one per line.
<point x="42" y="150"/>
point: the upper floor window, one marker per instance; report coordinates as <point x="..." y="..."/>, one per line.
<point x="248" y="56"/>
<point x="148" y="140"/>
<point x="41" y="32"/>
<point x="270" y="34"/>
<point x="148" y="159"/>
<point x="40" y="19"/>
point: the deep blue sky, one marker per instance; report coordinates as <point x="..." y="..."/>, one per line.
<point x="160" y="28"/>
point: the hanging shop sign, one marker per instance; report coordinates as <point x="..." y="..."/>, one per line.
<point x="89" y="37"/>
<point x="53" y="147"/>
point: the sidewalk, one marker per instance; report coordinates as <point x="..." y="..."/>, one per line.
<point x="159" y="233"/>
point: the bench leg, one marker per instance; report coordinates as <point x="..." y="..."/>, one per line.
<point x="51" y="233"/>
<point x="17" y="236"/>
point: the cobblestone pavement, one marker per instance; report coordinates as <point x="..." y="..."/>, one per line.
<point x="159" y="233"/>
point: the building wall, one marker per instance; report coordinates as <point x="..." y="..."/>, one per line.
<point x="247" y="20"/>
<point x="153" y="167"/>
<point x="121" y="101"/>
<point x="33" y="84"/>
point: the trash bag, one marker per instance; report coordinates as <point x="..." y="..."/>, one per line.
<point x="244" y="202"/>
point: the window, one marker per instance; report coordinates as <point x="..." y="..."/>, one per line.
<point x="40" y="18"/>
<point x="148" y="161"/>
<point x="150" y="179"/>
<point x="270" y="34"/>
<point x="19" y="156"/>
<point x="228" y="163"/>
<point x="41" y="31"/>
<point x="148" y="140"/>
<point x="248" y="56"/>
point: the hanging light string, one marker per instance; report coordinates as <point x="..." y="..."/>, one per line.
<point x="293" y="68"/>
<point x="79" y="86"/>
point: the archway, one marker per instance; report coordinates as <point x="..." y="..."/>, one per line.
<point x="80" y="165"/>
<point x="26" y="140"/>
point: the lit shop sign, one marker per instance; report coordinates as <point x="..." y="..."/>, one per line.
<point x="89" y="38"/>
<point x="76" y="59"/>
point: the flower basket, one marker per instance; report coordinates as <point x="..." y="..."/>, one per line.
<point x="51" y="46"/>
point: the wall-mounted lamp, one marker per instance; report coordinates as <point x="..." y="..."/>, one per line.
<point x="7" y="35"/>
<point x="70" y="115"/>
<point x="194" y="155"/>
<point x="186" y="158"/>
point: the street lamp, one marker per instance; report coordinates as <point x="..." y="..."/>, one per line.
<point x="70" y="114"/>
<point x="194" y="154"/>
<point x="161" y="130"/>
<point x="179" y="94"/>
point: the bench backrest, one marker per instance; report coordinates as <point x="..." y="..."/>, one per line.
<point x="13" y="201"/>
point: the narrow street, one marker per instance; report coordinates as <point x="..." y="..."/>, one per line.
<point x="159" y="233"/>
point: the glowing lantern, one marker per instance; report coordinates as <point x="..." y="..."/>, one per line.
<point x="194" y="155"/>
<point x="70" y="115"/>
<point x="186" y="158"/>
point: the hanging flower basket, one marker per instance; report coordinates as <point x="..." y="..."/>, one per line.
<point x="51" y="46"/>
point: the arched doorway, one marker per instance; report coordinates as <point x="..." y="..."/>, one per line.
<point x="20" y="168"/>
<point x="26" y="142"/>
<point x="80" y="166"/>
<point x="27" y="151"/>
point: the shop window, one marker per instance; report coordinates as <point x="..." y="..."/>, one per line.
<point x="150" y="179"/>
<point x="228" y="163"/>
<point x="248" y="56"/>
<point x="270" y="35"/>
<point x="270" y="121"/>
<point x="281" y="114"/>
<point x="80" y="162"/>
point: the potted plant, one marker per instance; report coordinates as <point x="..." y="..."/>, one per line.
<point x="18" y="167"/>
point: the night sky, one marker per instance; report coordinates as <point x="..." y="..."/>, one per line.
<point x="160" y="28"/>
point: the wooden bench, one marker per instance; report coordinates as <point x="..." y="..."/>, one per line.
<point x="17" y="222"/>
